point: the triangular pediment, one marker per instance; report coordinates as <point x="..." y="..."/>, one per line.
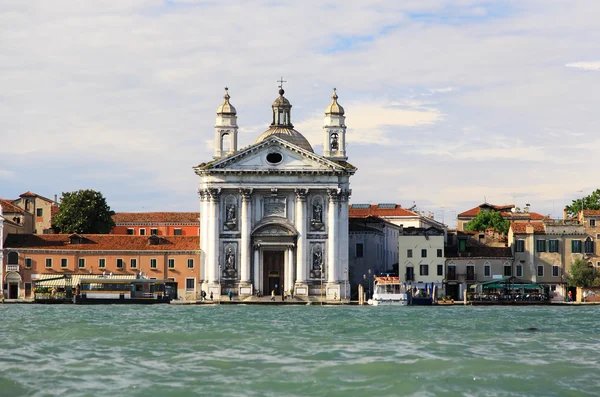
<point x="273" y="155"/>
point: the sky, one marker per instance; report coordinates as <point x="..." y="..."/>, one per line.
<point x="449" y="103"/>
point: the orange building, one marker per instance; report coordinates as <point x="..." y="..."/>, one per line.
<point x="30" y="257"/>
<point x="157" y="223"/>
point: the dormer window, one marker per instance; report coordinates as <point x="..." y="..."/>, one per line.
<point x="76" y="239"/>
<point x="154" y="240"/>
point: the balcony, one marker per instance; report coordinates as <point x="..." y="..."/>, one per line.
<point x="12" y="268"/>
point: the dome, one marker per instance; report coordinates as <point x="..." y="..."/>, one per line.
<point x="287" y="134"/>
<point x="226" y="107"/>
<point x="281" y="101"/>
<point x="335" y="107"/>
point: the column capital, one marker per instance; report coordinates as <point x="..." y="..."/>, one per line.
<point x="345" y="194"/>
<point x="214" y="193"/>
<point x="246" y="194"/>
<point x="301" y="194"/>
<point x="202" y="193"/>
<point x="334" y="194"/>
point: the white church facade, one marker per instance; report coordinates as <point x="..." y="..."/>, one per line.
<point x="274" y="215"/>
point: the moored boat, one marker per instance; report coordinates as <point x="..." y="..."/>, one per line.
<point x="388" y="291"/>
<point x="109" y="291"/>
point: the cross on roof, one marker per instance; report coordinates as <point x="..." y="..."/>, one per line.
<point x="281" y="81"/>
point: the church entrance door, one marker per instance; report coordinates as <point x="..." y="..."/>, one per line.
<point x="272" y="272"/>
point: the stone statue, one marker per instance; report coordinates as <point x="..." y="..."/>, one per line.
<point x="317" y="213"/>
<point x="231" y="213"/>
<point x="317" y="259"/>
<point x="334" y="141"/>
<point x="229" y="260"/>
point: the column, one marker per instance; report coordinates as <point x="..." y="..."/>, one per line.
<point x="301" y="219"/>
<point x="332" y="236"/>
<point x="256" y="267"/>
<point x="214" y="236"/>
<point x="246" y="224"/>
<point x="343" y="235"/>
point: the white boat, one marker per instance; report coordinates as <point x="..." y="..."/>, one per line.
<point x="389" y="291"/>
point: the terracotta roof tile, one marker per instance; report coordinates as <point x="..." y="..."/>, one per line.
<point x="357" y="211"/>
<point x="10" y="208"/>
<point x="156" y="217"/>
<point x="505" y="210"/>
<point x="102" y="242"/>
<point x="521" y="227"/>
<point x="591" y="212"/>
<point x="30" y="194"/>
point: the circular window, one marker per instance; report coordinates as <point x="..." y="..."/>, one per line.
<point x="274" y="158"/>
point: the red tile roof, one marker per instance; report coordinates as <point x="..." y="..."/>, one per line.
<point x="376" y="210"/>
<point x="156" y="217"/>
<point x="30" y="194"/>
<point x="505" y="210"/>
<point x="521" y="227"/>
<point x="10" y="208"/>
<point x="591" y="212"/>
<point x="102" y="242"/>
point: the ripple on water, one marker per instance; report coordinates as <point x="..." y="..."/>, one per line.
<point x="297" y="351"/>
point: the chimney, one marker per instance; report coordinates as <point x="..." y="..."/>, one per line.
<point x="565" y="213"/>
<point x="529" y="229"/>
<point x="55" y="198"/>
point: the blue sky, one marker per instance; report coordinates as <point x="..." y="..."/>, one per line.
<point x="450" y="101"/>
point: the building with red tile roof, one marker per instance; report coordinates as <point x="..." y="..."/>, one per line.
<point x="157" y="223"/>
<point x="396" y="214"/>
<point x="30" y="257"/>
<point x="37" y="212"/>
<point x="508" y="211"/>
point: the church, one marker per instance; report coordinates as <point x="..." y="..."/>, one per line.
<point x="274" y="215"/>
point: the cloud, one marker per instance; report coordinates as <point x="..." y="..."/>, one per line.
<point x="593" y="66"/>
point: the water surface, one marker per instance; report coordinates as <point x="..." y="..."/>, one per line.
<point x="164" y="350"/>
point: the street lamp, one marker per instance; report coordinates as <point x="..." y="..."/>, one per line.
<point x="369" y="280"/>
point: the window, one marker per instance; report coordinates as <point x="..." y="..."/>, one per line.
<point x="540" y="271"/>
<point x="462" y="245"/>
<point x="592" y="223"/>
<point x="424" y="270"/>
<point x="555" y="271"/>
<point x="507" y="271"/>
<point x="440" y="253"/>
<point x="101" y="263"/>
<point x="48" y="263"/>
<point x="40" y="212"/>
<point x="28" y="262"/>
<point x="152" y="263"/>
<point x="154" y="232"/>
<point x="552" y="245"/>
<point x="119" y="263"/>
<point x="410" y="273"/>
<point x="177" y="232"/>
<point x="470" y="273"/>
<point x="190" y="283"/>
<point x="133" y="263"/>
<point x="81" y="263"/>
<point x="64" y="263"/>
<point x="440" y="270"/>
<point x="359" y="250"/>
<point x="540" y="245"/>
<point x="142" y="232"/>
<point x="13" y="258"/>
<point x="487" y="270"/>
<point x="171" y="263"/>
<point x="130" y="231"/>
<point x="424" y="253"/>
<point x="576" y="246"/>
<point x="588" y="246"/>
<point x="520" y="246"/>
<point x="409" y="253"/>
<point x="519" y="271"/>
<point x="190" y="263"/>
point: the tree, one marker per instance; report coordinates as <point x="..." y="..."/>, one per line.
<point x="582" y="274"/>
<point x="591" y="202"/>
<point x="84" y="211"/>
<point x="488" y="219"/>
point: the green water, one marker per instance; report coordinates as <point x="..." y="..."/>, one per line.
<point x="279" y="351"/>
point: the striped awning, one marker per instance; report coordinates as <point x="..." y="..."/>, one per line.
<point x="52" y="280"/>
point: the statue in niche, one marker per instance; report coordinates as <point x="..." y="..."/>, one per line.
<point x="316" y="221"/>
<point x="334" y="141"/>
<point x="229" y="271"/>
<point x="230" y="219"/>
<point x="317" y="263"/>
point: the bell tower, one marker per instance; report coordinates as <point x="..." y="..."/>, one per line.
<point x="334" y="131"/>
<point x="226" y="128"/>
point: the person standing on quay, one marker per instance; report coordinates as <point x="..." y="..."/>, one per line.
<point x="229" y="294"/>
<point x="211" y="295"/>
<point x="272" y="294"/>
